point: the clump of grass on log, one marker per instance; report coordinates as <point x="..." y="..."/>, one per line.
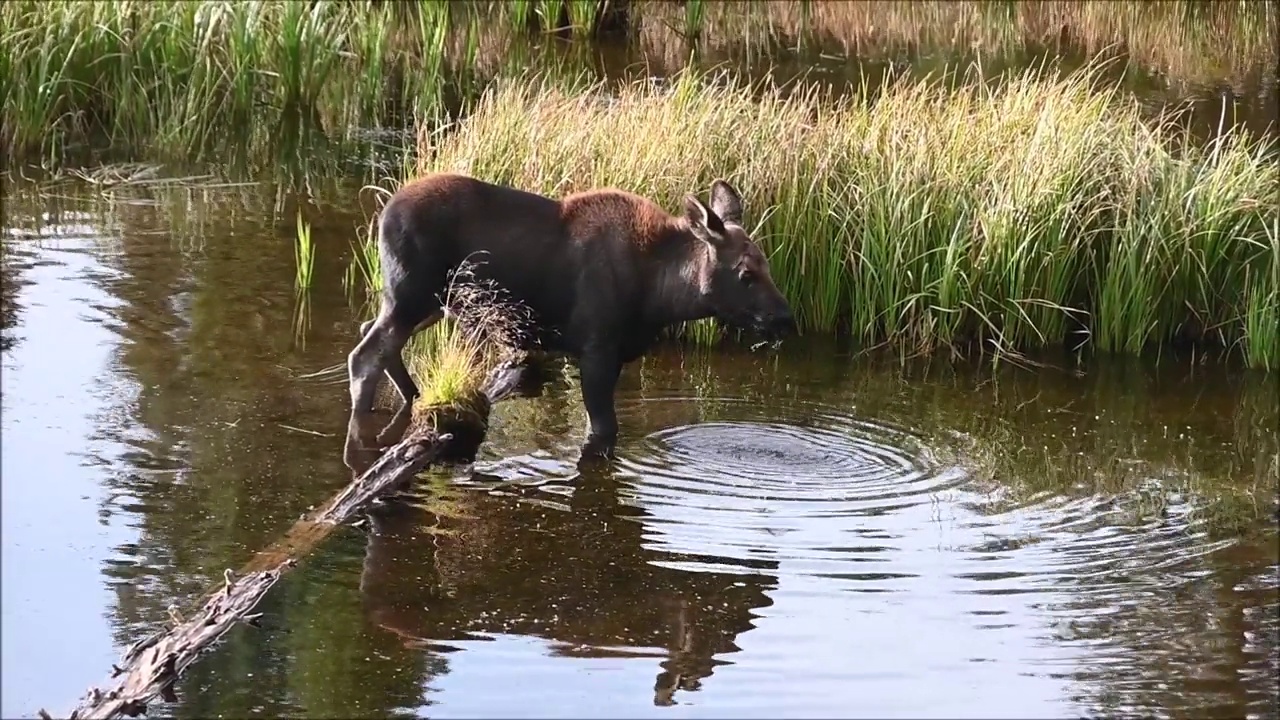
<point x="453" y="359"/>
<point x="1012" y="214"/>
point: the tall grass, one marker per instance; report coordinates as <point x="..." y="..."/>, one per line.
<point x="176" y="76"/>
<point x="1182" y="43"/>
<point x="180" y="78"/>
<point x="1015" y="215"/>
<point x="451" y="360"/>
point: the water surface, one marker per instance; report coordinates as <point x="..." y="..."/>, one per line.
<point x="801" y="533"/>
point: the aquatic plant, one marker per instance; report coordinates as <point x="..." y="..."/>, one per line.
<point x="304" y="255"/>
<point x="1181" y="43"/>
<point x="364" y="272"/>
<point x="948" y="212"/>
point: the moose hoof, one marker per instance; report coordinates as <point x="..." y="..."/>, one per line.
<point x="598" y="448"/>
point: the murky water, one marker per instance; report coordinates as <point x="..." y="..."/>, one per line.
<point x="803" y="533"/>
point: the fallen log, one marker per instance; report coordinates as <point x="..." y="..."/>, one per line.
<point x="151" y="666"/>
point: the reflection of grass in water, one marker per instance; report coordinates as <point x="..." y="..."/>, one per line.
<point x="1012" y="474"/>
<point x="301" y="318"/>
<point x="10" y="281"/>
<point x="1033" y="213"/>
<point x="433" y="493"/>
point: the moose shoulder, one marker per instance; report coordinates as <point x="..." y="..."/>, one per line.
<point x="602" y="272"/>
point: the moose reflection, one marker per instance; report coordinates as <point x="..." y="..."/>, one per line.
<point x="462" y="562"/>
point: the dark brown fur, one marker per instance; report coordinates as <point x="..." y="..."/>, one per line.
<point x="602" y="273"/>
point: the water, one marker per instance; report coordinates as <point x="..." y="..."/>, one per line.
<point x="803" y="533"/>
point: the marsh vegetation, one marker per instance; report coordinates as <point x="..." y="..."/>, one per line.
<point x="1034" y="212"/>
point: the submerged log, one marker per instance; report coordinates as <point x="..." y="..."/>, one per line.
<point x="151" y="666"/>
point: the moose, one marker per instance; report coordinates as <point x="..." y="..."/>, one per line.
<point x="602" y="273"/>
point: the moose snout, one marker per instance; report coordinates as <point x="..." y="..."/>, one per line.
<point x="785" y="323"/>
<point x="778" y="324"/>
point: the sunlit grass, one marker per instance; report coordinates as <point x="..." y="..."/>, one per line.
<point x="304" y="255"/>
<point x="447" y="363"/>
<point x="451" y="360"/>
<point x="1180" y="43"/>
<point x="1014" y="215"/>
<point x="173" y="78"/>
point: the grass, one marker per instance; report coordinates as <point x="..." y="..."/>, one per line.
<point x="174" y="76"/>
<point x="170" y="78"/>
<point x="1038" y="211"/>
<point x="304" y="260"/>
<point x="451" y="361"/>
<point x="1185" y="43"/>
<point x="304" y="255"/>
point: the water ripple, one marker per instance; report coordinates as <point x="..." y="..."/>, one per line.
<point x="746" y="495"/>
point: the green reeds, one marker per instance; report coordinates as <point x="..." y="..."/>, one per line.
<point x="304" y="255"/>
<point x="304" y="260"/>
<point x="176" y="77"/>
<point x="945" y="213"/>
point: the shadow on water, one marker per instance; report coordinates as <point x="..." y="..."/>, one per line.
<point x="801" y="532"/>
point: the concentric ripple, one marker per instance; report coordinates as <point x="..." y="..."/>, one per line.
<point x="741" y="493"/>
<point x="843" y="464"/>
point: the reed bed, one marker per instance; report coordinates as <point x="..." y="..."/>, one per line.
<point x="173" y="76"/>
<point x="1027" y="213"/>
<point x="166" y="78"/>
<point x="1187" y="43"/>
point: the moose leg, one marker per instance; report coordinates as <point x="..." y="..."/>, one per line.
<point x="382" y="343"/>
<point x="395" y="370"/>
<point x="400" y="377"/>
<point x="600" y="368"/>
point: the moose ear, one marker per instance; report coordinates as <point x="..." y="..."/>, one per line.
<point x="726" y="202"/>
<point x="704" y="222"/>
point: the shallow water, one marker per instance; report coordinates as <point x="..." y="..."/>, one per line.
<point x="802" y="533"/>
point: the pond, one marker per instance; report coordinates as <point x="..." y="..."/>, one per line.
<point x="811" y="531"/>
<point x="817" y="530"/>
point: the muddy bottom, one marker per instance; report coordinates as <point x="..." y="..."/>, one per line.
<point x="799" y="533"/>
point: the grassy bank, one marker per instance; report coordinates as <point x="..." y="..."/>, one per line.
<point x="170" y="78"/>
<point x="1015" y="215"/>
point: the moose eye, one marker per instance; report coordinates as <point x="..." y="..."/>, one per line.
<point x="747" y="277"/>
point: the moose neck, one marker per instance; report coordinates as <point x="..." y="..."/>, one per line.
<point x="678" y="292"/>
